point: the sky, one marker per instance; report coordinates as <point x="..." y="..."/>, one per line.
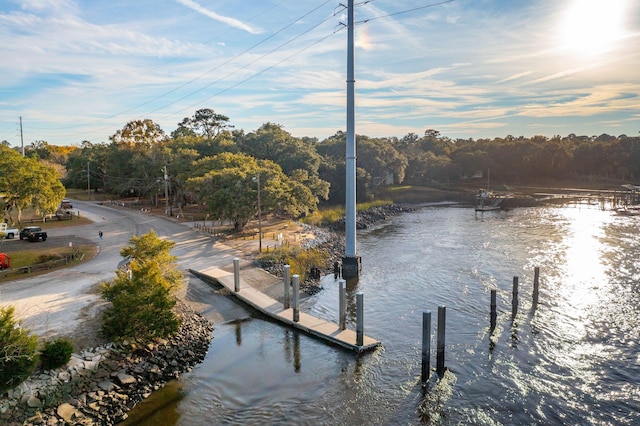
<point x="77" y="71"/>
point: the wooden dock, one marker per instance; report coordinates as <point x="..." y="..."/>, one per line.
<point x="274" y="309"/>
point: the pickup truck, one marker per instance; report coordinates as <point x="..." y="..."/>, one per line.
<point x="33" y="233"/>
<point x="6" y="232"/>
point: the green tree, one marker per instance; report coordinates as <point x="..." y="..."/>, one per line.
<point x="226" y="186"/>
<point x="272" y="142"/>
<point x="26" y="182"/>
<point x="142" y="299"/>
<point x="18" y="351"/>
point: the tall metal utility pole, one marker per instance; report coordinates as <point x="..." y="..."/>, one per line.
<point x="21" y="136"/>
<point x="351" y="263"/>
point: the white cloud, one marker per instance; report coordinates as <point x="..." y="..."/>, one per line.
<point x="224" y="19"/>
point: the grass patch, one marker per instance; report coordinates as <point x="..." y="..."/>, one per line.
<point x="21" y="258"/>
<point x="333" y="214"/>
<point x="299" y="260"/>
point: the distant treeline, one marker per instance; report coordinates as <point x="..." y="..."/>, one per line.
<point x="132" y="162"/>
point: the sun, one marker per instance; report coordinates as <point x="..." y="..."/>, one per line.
<point x="591" y="27"/>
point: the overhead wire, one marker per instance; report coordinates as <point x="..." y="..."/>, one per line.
<point x="364" y="21"/>
<point x="247" y="64"/>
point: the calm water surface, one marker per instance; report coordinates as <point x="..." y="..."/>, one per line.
<point x="573" y="359"/>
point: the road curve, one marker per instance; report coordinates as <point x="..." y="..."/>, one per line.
<point x="53" y="304"/>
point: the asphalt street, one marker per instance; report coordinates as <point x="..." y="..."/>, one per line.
<point x="57" y="303"/>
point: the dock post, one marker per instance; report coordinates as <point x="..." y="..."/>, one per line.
<point x="236" y="274"/>
<point x="536" y="285"/>
<point x="287" y="283"/>
<point x="296" y="298"/>
<point x="359" y="319"/>
<point x="442" y="318"/>
<point x="342" y="302"/>
<point x="494" y="310"/>
<point x="426" y="346"/>
<point x="514" y="299"/>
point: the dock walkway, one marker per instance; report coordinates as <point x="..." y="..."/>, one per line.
<point x="274" y="309"/>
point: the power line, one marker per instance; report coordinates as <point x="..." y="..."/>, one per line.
<point x="291" y="23"/>
<point x="245" y="65"/>
<point x="364" y="21"/>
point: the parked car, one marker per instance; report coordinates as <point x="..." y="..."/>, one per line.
<point x="6" y="232"/>
<point x="33" y="233"/>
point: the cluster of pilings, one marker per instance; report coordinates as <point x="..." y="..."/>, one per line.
<point x="442" y="313"/>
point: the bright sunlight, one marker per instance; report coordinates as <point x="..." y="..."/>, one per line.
<point x="591" y="27"/>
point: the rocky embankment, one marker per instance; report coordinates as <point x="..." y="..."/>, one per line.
<point x="330" y="239"/>
<point x="100" y="385"/>
<point x="369" y="217"/>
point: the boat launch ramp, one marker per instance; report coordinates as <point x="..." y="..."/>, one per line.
<point x="287" y="315"/>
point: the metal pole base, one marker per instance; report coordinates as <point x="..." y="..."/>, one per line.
<point x="351" y="267"/>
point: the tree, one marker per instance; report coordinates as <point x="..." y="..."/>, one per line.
<point x="18" y="350"/>
<point x="205" y="122"/>
<point x="26" y="182"/>
<point x="272" y="142"/>
<point x="226" y="186"/>
<point x="139" y="132"/>
<point x="142" y="299"/>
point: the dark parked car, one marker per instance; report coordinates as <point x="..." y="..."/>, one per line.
<point x="33" y="233"/>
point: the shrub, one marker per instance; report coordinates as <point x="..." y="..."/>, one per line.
<point x="302" y="262"/>
<point x="18" y="351"/>
<point x="56" y="354"/>
<point x="142" y="300"/>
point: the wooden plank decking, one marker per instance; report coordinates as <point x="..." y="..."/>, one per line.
<point x="309" y="324"/>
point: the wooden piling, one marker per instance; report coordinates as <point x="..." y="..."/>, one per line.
<point x="287" y="283"/>
<point x="342" y="302"/>
<point x="236" y="274"/>
<point x="359" y="319"/>
<point x="494" y="309"/>
<point x="426" y="346"/>
<point x="442" y="317"/>
<point x="296" y="298"/>
<point x="514" y="299"/>
<point x="536" y="285"/>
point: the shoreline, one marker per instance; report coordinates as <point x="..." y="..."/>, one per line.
<point x="101" y="385"/>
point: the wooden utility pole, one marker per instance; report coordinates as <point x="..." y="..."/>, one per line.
<point x="21" y="136"/>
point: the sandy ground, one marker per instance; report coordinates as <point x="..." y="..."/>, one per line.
<point x="66" y="302"/>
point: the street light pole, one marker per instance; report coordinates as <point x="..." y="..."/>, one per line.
<point x="166" y="190"/>
<point x="259" y="217"/>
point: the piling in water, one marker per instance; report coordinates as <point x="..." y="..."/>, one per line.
<point x="286" y="282"/>
<point x="494" y="309"/>
<point x="296" y="298"/>
<point x="514" y="299"/>
<point x="359" y="319"/>
<point x="536" y="285"/>
<point x="342" y="302"/>
<point x="426" y="346"/>
<point x="236" y="274"/>
<point x="442" y="316"/>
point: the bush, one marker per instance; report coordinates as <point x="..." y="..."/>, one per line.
<point x="18" y="351"/>
<point x="301" y="261"/>
<point x="56" y="354"/>
<point x="142" y="300"/>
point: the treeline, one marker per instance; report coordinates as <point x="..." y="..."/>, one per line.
<point x="209" y="162"/>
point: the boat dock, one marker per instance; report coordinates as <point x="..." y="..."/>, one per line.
<point x="276" y="310"/>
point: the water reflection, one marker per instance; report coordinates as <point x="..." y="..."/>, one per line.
<point x="572" y="359"/>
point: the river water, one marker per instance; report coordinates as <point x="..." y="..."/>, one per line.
<point x="572" y="359"/>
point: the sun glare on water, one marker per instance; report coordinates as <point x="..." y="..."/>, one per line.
<point x="591" y="27"/>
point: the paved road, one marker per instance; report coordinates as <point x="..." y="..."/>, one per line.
<point x="58" y="302"/>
